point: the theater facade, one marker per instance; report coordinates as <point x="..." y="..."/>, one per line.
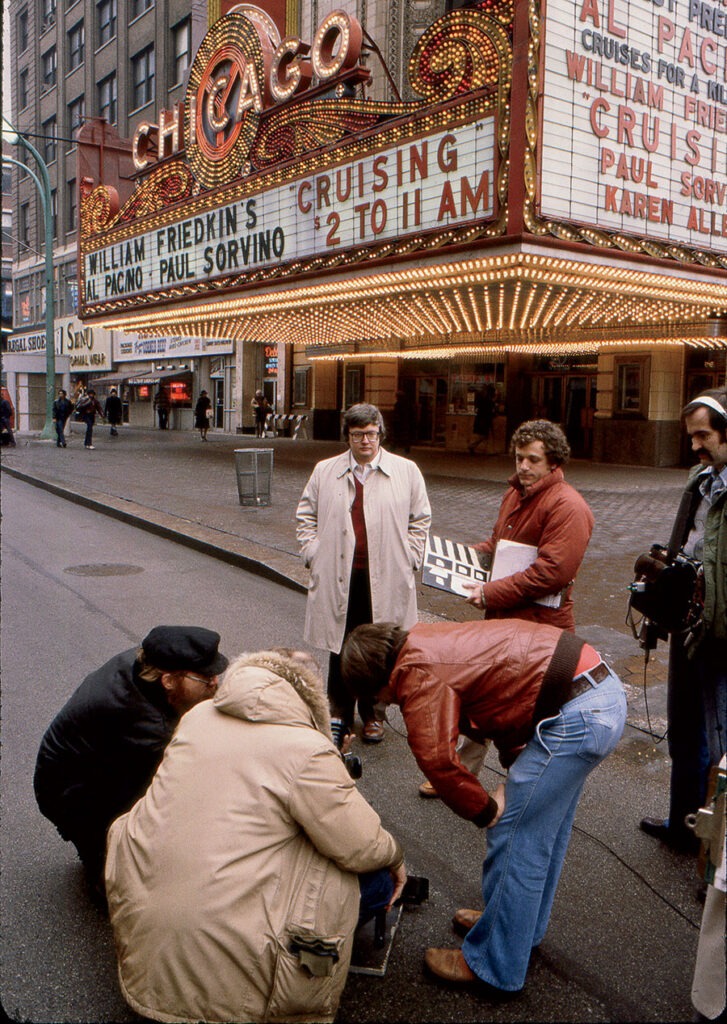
<point x="547" y="213"/>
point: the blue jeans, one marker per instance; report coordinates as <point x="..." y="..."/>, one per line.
<point x="89" y="421"/>
<point x="376" y="888"/>
<point x="60" y="436"/>
<point x="526" y="849"/>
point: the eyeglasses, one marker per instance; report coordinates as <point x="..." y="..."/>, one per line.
<point x="363" y="435"/>
<point x="204" y="680"/>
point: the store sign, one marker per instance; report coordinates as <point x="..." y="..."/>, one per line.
<point x="444" y="180"/>
<point x="130" y="346"/>
<point x="88" y="348"/>
<point x="30" y="344"/>
<point x="271" y="360"/>
<point x="634" y="118"/>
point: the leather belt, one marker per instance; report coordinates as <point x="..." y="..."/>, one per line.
<point x="586" y="680"/>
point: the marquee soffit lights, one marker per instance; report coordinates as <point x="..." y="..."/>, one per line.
<point x="519" y="292"/>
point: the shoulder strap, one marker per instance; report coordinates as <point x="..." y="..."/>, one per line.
<point x="685" y="518"/>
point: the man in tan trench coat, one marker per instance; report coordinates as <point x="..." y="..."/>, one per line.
<point x="363" y="521"/>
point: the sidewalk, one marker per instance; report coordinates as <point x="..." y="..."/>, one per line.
<point x="172" y="483"/>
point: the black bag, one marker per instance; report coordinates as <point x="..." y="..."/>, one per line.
<point x="668" y="593"/>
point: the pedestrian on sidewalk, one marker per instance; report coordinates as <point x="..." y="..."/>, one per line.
<point x="485" y="406"/>
<point x="88" y="407"/>
<point x="162" y="404"/>
<point x="6" y="421"/>
<point x="236" y="882"/>
<point x="539" y="509"/>
<point x="697" y="678"/>
<point x="62" y="409"/>
<point x="101" y="750"/>
<point x="363" y="521"/>
<point x="113" y="411"/>
<point x="553" y="709"/>
<point x="261" y="409"/>
<point x="202" y="414"/>
<point x="403" y="422"/>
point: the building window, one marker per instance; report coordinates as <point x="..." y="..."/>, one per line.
<point x="142" y="78"/>
<point x="48" y="13"/>
<point x="76" y="114"/>
<point x="49" y="62"/>
<point x="68" y="288"/>
<point x="106" y="20"/>
<point x="23" y="89"/>
<point x="139" y="6"/>
<point x="24" y="305"/>
<point x="76" y="44"/>
<point x="21" y="30"/>
<point x="24" y="226"/>
<point x="631" y="381"/>
<point x="182" y="41"/>
<point x="50" y="133"/>
<point x="72" y="209"/>
<point x="301" y="380"/>
<point x="107" y="98"/>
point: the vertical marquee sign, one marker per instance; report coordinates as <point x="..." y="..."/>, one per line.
<point x="634" y="118"/>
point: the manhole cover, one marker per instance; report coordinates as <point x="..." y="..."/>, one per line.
<point x="104" y="569"/>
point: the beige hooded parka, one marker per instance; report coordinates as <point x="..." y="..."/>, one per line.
<point x="250" y="835"/>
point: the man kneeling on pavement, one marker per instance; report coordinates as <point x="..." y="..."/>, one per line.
<point x="101" y="750"/>
<point x="235" y="884"/>
<point x="553" y="709"/>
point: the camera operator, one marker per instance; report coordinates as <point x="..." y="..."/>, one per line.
<point x="236" y="883"/>
<point x="697" y="682"/>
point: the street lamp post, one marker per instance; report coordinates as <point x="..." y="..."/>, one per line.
<point x="14" y="138"/>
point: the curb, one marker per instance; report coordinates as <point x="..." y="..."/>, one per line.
<point x="142" y="520"/>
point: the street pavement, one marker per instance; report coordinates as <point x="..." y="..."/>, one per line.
<point x="624" y="931"/>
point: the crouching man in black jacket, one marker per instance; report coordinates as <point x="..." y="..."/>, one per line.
<point x="101" y="750"/>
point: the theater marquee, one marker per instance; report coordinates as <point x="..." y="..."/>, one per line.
<point x="441" y="181"/>
<point x="276" y="164"/>
<point x="634" y="118"/>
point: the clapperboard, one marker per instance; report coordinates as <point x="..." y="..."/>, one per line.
<point x="448" y="565"/>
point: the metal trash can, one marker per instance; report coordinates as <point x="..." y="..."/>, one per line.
<point x="254" y="467"/>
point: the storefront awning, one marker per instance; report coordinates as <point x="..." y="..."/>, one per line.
<point x="112" y="378"/>
<point x="157" y="376"/>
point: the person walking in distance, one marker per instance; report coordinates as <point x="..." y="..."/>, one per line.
<point x="202" y="414"/>
<point x="363" y="521"/>
<point x="261" y="408"/>
<point x="484" y="417"/>
<point x="113" y="411"/>
<point x="88" y="406"/>
<point x="62" y="409"/>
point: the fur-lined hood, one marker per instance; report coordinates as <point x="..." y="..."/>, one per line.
<point x="268" y="686"/>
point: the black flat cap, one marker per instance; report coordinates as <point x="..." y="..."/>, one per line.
<point x="179" y="648"/>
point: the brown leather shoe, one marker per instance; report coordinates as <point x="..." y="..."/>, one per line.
<point x="427" y="790"/>
<point x="465" y="919"/>
<point x="373" y="732"/>
<point x="449" y="964"/>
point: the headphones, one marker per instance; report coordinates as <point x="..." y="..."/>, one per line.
<point x="712" y="403"/>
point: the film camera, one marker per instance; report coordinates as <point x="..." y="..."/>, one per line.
<point x="668" y="592"/>
<point x="351" y="761"/>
